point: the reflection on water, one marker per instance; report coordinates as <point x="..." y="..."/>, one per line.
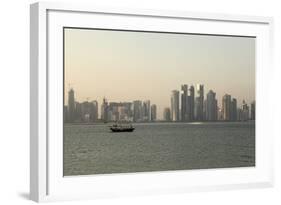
<point x="93" y="149"/>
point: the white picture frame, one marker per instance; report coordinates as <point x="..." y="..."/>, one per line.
<point x="46" y="180"/>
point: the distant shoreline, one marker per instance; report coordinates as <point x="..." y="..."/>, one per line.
<point x="157" y="122"/>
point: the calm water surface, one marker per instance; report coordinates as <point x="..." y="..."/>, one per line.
<point x="93" y="149"/>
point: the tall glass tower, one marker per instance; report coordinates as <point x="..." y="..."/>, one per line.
<point x="71" y="105"/>
<point x="199" y="102"/>
<point x="211" y="106"/>
<point x="226" y="107"/>
<point x="184" y="106"/>
<point x="175" y="104"/>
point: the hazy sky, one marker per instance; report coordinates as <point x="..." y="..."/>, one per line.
<point x="127" y="66"/>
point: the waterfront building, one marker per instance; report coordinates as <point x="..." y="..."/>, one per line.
<point x="199" y="102"/>
<point x="85" y="110"/>
<point x="204" y="109"/>
<point x="239" y="114"/>
<point x="167" y="114"/>
<point x="226" y="107"/>
<point x="89" y="111"/>
<point x="94" y="111"/>
<point x="190" y="103"/>
<point x="71" y="105"/>
<point x="233" y="113"/>
<point x="120" y="111"/>
<point x="184" y="105"/>
<point x="220" y="113"/>
<point x="175" y="113"/>
<point x="126" y="111"/>
<point x="137" y="110"/>
<point x="211" y="106"/>
<point x="104" y="110"/>
<point x="111" y="117"/>
<point x="146" y="111"/>
<point x="78" y="112"/>
<point x="153" y="112"/>
<point x="188" y="108"/>
<point x="253" y="110"/>
<point x="113" y="112"/>
<point x="245" y="111"/>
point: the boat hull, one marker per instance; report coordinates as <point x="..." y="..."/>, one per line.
<point x="122" y="129"/>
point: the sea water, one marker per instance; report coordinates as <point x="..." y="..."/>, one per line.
<point x="94" y="149"/>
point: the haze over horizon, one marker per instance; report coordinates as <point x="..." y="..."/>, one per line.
<point x="127" y="66"/>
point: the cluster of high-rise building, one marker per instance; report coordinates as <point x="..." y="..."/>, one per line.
<point x="80" y="112"/>
<point x="136" y="111"/>
<point x="186" y="106"/>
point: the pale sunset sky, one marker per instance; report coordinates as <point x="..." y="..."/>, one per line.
<point x="126" y="66"/>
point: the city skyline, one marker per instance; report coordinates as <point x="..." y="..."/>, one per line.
<point x="125" y="66"/>
<point x="185" y="106"/>
<point x="200" y="96"/>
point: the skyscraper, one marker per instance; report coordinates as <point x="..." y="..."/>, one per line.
<point x="113" y="111"/>
<point x="78" y="112"/>
<point x="167" y="114"/>
<point x="205" y="110"/>
<point x="199" y="102"/>
<point x="85" y="108"/>
<point x="190" y="102"/>
<point x="253" y="110"/>
<point x="239" y="114"/>
<point x="184" y="105"/>
<point x="126" y="111"/>
<point x="146" y="111"/>
<point x="233" y="113"/>
<point x="153" y="112"/>
<point x="175" y="105"/>
<point x="226" y="107"/>
<point x="104" y="110"/>
<point x="93" y="109"/>
<point x="71" y="105"/>
<point x="211" y="106"/>
<point x="220" y="114"/>
<point x="137" y="110"/>
<point x="245" y="111"/>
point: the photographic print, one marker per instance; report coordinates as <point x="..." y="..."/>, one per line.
<point x="142" y="101"/>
